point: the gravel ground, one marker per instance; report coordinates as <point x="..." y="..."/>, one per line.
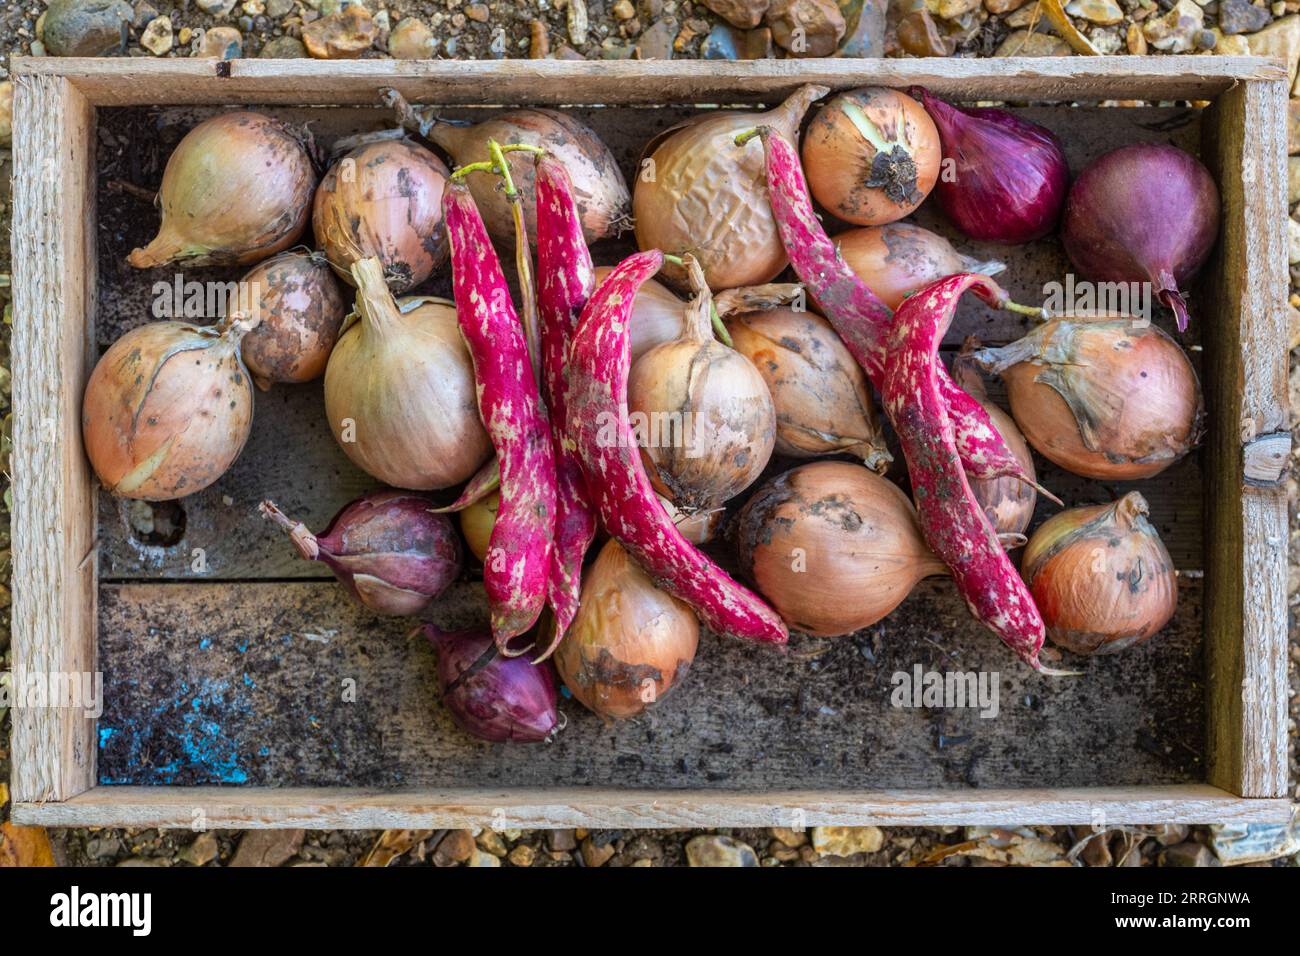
<point x="645" y="29"/>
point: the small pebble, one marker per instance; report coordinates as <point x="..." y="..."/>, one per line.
<point x="411" y="39"/>
<point x="715" y="851"/>
<point x="216" y="8"/>
<point x="846" y="841"/>
<point x="157" y="36"/>
<point x="1241" y="16"/>
<point x="85" y="27"/>
<point x="340" y="36"/>
<point x="1102" y="12"/>
<point x="522" y="855"/>
<point x="478" y="12"/>
<point x="283" y="48"/>
<point x="221" y="43"/>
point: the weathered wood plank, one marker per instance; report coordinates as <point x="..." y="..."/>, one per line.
<point x="53" y="489"/>
<point x="142" y="81"/>
<point x="355" y="808"/>
<point x="1246" y="369"/>
<point x="247" y="684"/>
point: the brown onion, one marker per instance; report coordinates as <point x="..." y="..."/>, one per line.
<point x="300" y="309"/>
<point x="476" y="521"/>
<point x="698" y="193"/>
<point x="630" y="643"/>
<point x="871" y="155"/>
<point x="384" y="199"/>
<point x="598" y="185"/>
<point x="899" y="258"/>
<point x="658" y="316"/>
<point x="236" y="189"/>
<point x="834" y="547"/>
<point x="705" y="416"/>
<point x="399" y="390"/>
<point x="819" y="393"/>
<point x="168" y="408"/>
<point x="1108" y="397"/>
<point x="1101" y="576"/>
<point x="1008" y="502"/>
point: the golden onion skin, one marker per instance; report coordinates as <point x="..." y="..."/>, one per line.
<point x="703" y="195"/>
<point x="1101" y="577"/>
<point x="299" y="308"/>
<point x="476" y="522"/>
<point x="846" y="173"/>
<point x="820" y="394"/>
<point x="399" y="392"/>
<point x="384" y="199"/>
<point x="658" y="315"/>
<point x="900" y="258"/>
<point x="1107" y="398"/>
<point x="236" y="189"/>
<point x="167" y="409"/>
<point x="833" y="546"/>
<point x="630" y="643"/>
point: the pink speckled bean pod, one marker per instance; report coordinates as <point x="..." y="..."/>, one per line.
<point x="565" y="279"/>
<point x="860" y="318"/>
<point x="599" y="359"/>
<point x="951" y="518"/>
<point x="519" y="551"/>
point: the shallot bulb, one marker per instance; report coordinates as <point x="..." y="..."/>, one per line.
<point x="384" y="199"/>
<point x="236" y="189"/>
<point x="820" y="395"/>
<point x="1101" y="577"/>
<point x="900" y="258"/>
<point x="494" y="698"/>
<point x="1143" y="213"/>
<point x="1108" y="398"/>
<point x="386" y="548"/>
<point x="1008" y="501"/>
<point x="168" y="409"/>
<point x="699" y="194"/>
<point x="399" y="390"/>
<point x="658" y="316"/>
<point x="834" y="547"/>
<point x="300" y="309"/>
<point x="705" y="415"/>
<point x="598" y="186"/>
<point x="871" y="155"/>
<point x="630" y="643"/>
<point x="1008" y="178"/>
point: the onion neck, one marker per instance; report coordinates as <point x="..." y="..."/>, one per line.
<point x="375" y="304"/>
<point x="299" y="534"/>
<point x="1131" y="511"/>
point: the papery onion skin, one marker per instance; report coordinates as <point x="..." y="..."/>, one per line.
<point x="698" y="528"/>
<point x="900" y="258"/>
<point x="706" y="197"/>
<point x="1105" y="397"/>
<point x="1143" y="213"/>
<point x="400" y="394"/>
<point x="236" y="189"/>
<point x="658" y="315"/>
<point x="300" y="310"/>
<point x="494" y="698"/>
<point x="1009" y="177"/>
<point x="630" y="643"/>
<point x="1101" y="577"/>
<point x="854" y="180"/>
<point x="834" y="547"/>
<point x="388" y="550"/>
<point x="820" y="395"/>
<point x="168" y="409"/>
<point x="707" y="422"/>
<point x="384" y="199"/>
<point x="599" y="189"/>
<point x="1008" y="502"/>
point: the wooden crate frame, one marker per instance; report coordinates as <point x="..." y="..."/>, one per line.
<point x="54" y="521"/>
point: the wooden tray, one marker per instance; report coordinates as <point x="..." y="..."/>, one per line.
<point x="222" y="687"/>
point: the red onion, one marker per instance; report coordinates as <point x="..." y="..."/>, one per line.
<point x="495" y="698"/>
<point x="390" y="552"/>
<point x="1002" y="179"/>
<point x="1143" y="213"/>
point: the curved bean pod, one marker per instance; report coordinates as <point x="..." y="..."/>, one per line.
<point x="565" y="279"/>
<point x="599" y="359"/>
<point x="519" y="550"/>
<point x="951" y="518"/>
